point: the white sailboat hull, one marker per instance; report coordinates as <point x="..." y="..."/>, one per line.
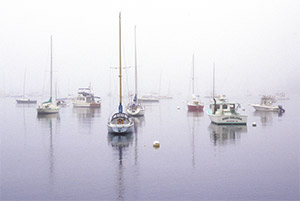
<point x="120" y="128"/>
<point x="228" y="119"/>
<point x="47" y="108"/>
<point x="26" y="101"/>
<point x="270" y="108"/>
<point x="137" y="112"/>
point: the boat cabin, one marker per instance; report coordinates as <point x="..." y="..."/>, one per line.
<point x="222" y="107"/>
<point x="86" y="98"/>
<point x="267" y="100"/>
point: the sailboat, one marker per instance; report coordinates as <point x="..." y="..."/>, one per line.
<point x="195" y="104"/>
<point x="135" y="108"/>
<point x="49" y="107"/>
<point x="24" y="100"/>
<point x="120" y="123"/>
<point x="223" y="112"/>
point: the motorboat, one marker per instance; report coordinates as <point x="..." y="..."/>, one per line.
<point x="120" y="123"/>
<point x="223" y="112"/>
<point x="86" y="98"/>
<point x="266" y="104"/>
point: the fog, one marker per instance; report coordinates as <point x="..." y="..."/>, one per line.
<point x="254" y="44"/>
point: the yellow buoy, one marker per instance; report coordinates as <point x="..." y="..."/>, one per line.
<point x="156" y="144"/>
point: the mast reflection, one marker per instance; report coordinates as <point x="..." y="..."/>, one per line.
<point x="47" y="122"/>
<point x="195" y="118"/>
<point x="120" y="143"/>
<point x="226" y="134"/>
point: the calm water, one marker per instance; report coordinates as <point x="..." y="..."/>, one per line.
<point x="70" y="156"/>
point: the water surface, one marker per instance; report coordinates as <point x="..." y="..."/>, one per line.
<point x="70" y="156"/>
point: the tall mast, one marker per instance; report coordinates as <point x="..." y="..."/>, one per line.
<point x="135" y="62"/>
<point x="51" y="68"/>
<point x="214" y="80"/>
<point x="193" y="78"/>
<point x="120" y="65"/>
<point x="24" y="83"/>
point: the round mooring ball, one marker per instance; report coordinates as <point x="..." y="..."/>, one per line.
<point x="156" y="144"/>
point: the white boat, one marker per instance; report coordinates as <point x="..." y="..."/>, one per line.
<point x="194" y="105"/>
<point x="120" y="123"/>
<point x="266" y="104"/>
<point x="149" y="98"/>
<point x="86" y="98"/>
<point x="49" y="107"/>
<point x="24" y="100"/>
<point x="135" y="108"/>
<point x="223" y="113"/>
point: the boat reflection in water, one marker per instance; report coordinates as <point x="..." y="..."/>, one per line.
<point x="226" y="134"/>
<point x="266" y="118"/>
<point x="120" y="143"/>
<point x="138" y="123"/>
<point x="48" y="120"/>
<point x="195" y="114"/>
<point x="86" y="118"/>
<point x="83" y="113"/>
<point x="194" y="117"/>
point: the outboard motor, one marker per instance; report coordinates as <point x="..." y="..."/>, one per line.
<point x="281" y="110"/>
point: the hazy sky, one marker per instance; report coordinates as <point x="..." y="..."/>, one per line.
<point x="255" y="45"/>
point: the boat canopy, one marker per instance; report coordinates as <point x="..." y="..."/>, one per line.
<point x="267" y="100"/>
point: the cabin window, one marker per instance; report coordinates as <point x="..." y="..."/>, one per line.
<point x="225" y="106"/>
<point x="218" y="106"/>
